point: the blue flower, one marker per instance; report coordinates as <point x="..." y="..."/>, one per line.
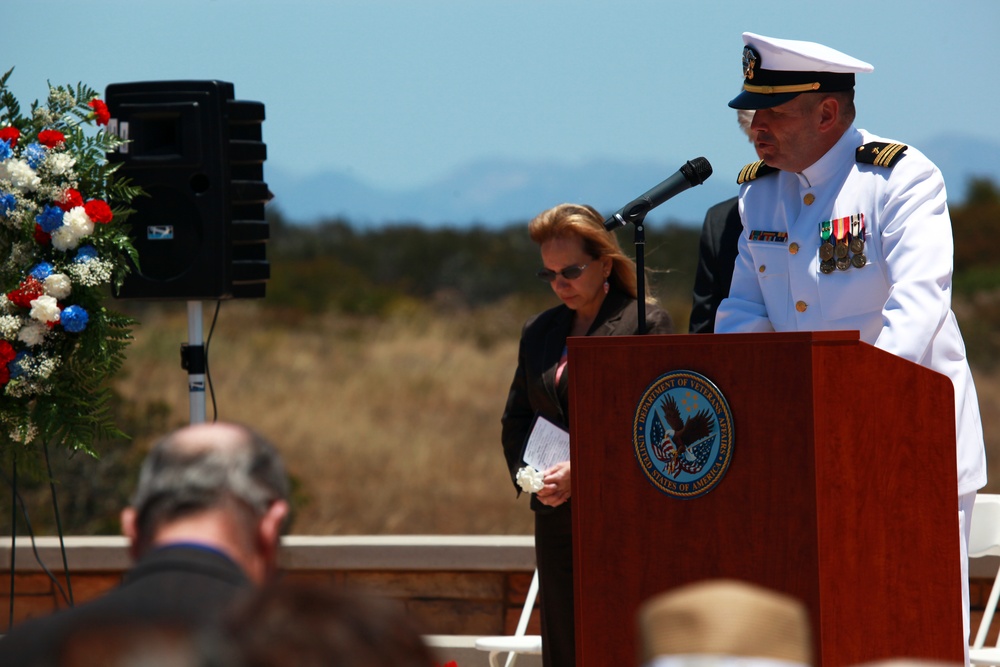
<point x="34" y="153"/>
<point x="85" y="252"/>
<point x="14" y="367"/>
<point x="5" y="150"/>
<point x="7" y="201"/>
<point x="42" y="271"/>
<point x="74" y="319"/>
<point x="50" y="219"/>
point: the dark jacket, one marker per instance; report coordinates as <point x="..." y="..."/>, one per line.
<point x="184" y="585"/>
<point x="543" y="338"/>
<point x="717" y="250"/>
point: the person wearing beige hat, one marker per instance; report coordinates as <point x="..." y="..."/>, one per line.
<point x="845" y="230"/>
<point x="724" y="622"/>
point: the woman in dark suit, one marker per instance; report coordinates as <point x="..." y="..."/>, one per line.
<point x="596" y="283"/>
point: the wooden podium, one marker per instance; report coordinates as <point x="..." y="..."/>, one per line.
<point x="841" y="491"/>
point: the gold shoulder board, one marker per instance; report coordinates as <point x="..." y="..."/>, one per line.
<point x="880" y="153"/>
<point x="754" y="170"/>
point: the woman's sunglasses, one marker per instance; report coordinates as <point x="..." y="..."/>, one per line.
<point x="569" y="273"/>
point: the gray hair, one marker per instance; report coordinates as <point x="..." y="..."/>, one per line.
<point x="207" y="466"/>
<point x="744" y="117"/>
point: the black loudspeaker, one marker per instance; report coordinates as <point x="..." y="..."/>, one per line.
<point x="201" y="233"/>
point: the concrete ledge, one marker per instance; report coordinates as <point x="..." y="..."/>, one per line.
<point x="409" y="552"/>
<point x="306" y="552"/>
<point x="84" y="554"/>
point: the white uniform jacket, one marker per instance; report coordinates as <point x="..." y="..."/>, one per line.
<point x="900" y="300"/>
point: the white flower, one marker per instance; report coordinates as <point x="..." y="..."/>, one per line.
<point x="21" y="254"/>
<point x="65" y="239"/>
<point x="91" y="273"/>
<point x="21" y="175"/>
<point x="45" y="367"/>
<point x="45" y="309"/>
<point x="58" y="285"/>
<point x="77" y="219"/>
<point x="24" y="434"/>
<point x="529" y="479"/>
<point x="33" y="333"/>
<point x="60" y="163"/>
<point x="9" y="326"/>
<point x="61" y="97"/>
<point x="44" y="116"/>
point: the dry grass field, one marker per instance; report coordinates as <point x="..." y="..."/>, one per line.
<point x="389" y="426"/>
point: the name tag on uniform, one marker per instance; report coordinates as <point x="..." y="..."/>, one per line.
<point x="768" y="237"/>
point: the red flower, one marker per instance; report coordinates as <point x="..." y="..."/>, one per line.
<point x="51" y="138"/>
<point x="7" y="353"/>
<point x="100" y="111"/>
<point x="41" y="236"/>
<point x="98" y="211"/>
<point x="10" y="134"/>
<point x="70" y="199"/>
<point x="29" y="290"/>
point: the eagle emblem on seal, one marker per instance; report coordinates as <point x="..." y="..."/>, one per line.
<point x="681" y="445"/>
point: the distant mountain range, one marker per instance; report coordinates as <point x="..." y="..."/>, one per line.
<point x="498" y="192"/>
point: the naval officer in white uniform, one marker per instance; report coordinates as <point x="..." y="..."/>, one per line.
<point x="845" y="230"/>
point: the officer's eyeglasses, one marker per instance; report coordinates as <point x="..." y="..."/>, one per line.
<point x="569" y="273"/>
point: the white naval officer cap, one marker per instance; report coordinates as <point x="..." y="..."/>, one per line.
<point x="776" y="70"/>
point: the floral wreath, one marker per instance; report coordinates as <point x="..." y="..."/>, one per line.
<point x="63" y="245"/>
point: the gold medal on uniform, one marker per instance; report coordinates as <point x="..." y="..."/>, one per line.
<point x="857" y="244"/>
<point x="826" y="241"/>
<point x="843" y="264"/>
<point x="841" y="227"/>
<point x="858" y="260"/>
<point x="827" y="265"/>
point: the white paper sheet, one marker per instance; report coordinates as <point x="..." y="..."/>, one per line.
<point x="547" y="445"/>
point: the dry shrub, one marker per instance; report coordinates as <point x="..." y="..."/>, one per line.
<point x="388" y="426"/>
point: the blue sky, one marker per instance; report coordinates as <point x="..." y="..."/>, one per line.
<point x="402" y="92"/>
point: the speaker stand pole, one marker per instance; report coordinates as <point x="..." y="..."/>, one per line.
<point x="193" y="361"/>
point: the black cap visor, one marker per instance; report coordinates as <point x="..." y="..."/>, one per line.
<point x="754" y="101"/>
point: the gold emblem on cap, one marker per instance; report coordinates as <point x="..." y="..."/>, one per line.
<point x="774" y="90"/>
<point x="809" y="199"/>
<point x="750" y="58"/>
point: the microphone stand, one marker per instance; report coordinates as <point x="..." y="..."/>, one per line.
<point x="640" y="271"/>
<point x="638" y="218"/>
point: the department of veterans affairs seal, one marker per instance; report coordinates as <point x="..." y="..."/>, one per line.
<point x="683" y="434"/>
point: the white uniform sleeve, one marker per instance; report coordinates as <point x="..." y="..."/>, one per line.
<point x="918" y="247"/>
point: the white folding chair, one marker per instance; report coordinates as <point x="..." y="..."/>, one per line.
<point x="984" y="540"/>
<point x="519" y="642"/>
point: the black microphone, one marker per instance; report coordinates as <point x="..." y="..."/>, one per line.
<point x="694" y="172"/>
